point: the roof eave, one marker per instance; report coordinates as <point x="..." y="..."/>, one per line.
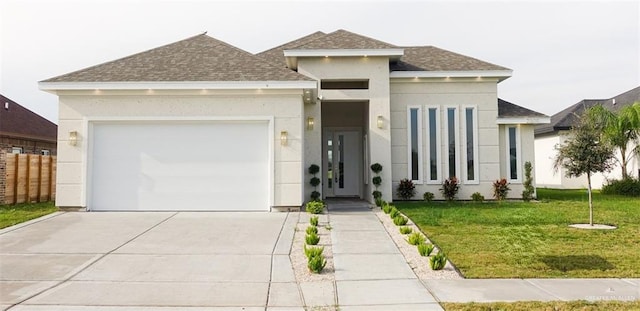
<point x="523" y="120"/>
<point x="53" y="87"/>
<point x="501" y="75"/>
<point x="292" y="56"/>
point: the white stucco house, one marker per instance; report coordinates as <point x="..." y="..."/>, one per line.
<point x="547" y="136"/>
<point x="202" y="125"/>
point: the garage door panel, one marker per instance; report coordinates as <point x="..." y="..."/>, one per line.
<point x="180" y="166"/>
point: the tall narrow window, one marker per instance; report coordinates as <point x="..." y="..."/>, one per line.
<point x="415" y="143"/>
<point x="512" y="136"/>
<point x="451" y="142"/>
<point x="470" y="143"/>
<point x="432" y="117"/>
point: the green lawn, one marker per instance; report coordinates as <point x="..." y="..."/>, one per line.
<point x="544" y="306"/>
<point x="533" y="240"/>
<point x="15" y="214"/>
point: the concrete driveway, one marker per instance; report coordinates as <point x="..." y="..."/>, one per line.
<point x="146" y="260"/>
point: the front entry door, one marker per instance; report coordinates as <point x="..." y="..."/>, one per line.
<point x="342" y="162"/>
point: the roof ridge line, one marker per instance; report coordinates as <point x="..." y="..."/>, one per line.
<point x="127" y="57"/>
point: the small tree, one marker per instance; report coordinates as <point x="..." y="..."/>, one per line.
<point x="619" y="129"/>
<point x="527" y="193"/>
<point x="585" y="153"/>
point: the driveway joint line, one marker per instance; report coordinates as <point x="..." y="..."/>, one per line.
<point x="543" y="289"/>
<point x="273" y="251"/>
<point x="91" y="263"/>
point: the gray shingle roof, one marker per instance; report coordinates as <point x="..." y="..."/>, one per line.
<point x="18" y="121"/>
<point x="276" y="54"/>
<point x="342" y="39"/>
<point x="429" y="58"/>
<point x="568" y="117"/>
<point x="416" y="58"/>
<point x="198" y="58"/>
<point x="510" y="110"/>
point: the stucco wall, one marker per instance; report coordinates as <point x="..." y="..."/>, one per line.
<point x="445" y="93"/>
<point x="376" y="70"/>
<point x="284" y="106"/>
<point x="545" y="153"/>
<point x="526" y="153"/>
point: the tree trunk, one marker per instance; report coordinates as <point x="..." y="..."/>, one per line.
<point x="623" y="163"/>
<point x="590" y="201"/>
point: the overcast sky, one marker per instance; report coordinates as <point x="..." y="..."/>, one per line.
<point x="560" y="52"/>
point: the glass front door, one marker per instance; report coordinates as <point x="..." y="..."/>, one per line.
<point x="342" y="160"/>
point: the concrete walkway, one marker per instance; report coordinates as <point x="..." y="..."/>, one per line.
<point x="371" y="273"/>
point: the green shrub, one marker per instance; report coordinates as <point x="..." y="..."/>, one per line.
<point x="425" y="249"/>
<point x="500" y="189"/>
<point x="376" y="168"/>
<point x="450" y="188"/>
<point x="406" y="189"/>
<point x="316" y="264"/>
<point x="527" y="193"/>
<point x="405" y="230"/>
<point x="314" y="169"/>
<point x="315" y="195"/>
<point x="386" y="208"/>
<point x="313" y="251"/>
<point x="314" y="207"/>
<point x="627" y="186"/>
<point x="379" y="202"/>
<point x="315" y="181"/>
<point x="312" y="239"/>
<point x="428" y="196"/>
<point x="415" y="238"/>
<point x="477" y="197"/>
<point x="400" y="220"/>
<point x="377" y="180"/>
<point x="394" y="212"/>
<point x="438" y="261"/>
<point x="376" y="194"/>
<point x="313" y="220"/>
<point x="312" y="229"/>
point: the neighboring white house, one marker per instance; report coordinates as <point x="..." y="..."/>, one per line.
<point x="202" y="125"/>
<point x="558" y="131"/>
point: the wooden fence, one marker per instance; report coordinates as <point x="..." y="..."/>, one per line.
<point x="29" y="178"/>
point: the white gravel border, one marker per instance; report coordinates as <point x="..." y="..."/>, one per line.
<point x="299" y="260"/>
<point x="419" y="264"/>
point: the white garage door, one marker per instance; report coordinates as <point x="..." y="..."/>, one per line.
<point x="188" y="166"/>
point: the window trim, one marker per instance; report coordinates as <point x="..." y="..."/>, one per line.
<point x="456" y="118"/>
<point x="518" y="153"/>
<point x="438" y="136"/>
<point x="463" y="143"/>
<point x="419" y="147"/>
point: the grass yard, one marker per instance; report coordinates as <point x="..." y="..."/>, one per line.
<point x="14" y="214"/>
<point x="544" y="306"/>
<point x="533" y="240"/>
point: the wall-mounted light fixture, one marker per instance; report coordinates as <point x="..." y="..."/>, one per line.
<point x="310" y="123"/>
<point x="284" y="138"/>
<point x="308" y="96"/>
<point x="380" y="122"/>
<point x="73" y="138"/>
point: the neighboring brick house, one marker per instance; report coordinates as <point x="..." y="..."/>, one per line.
<point x="24" y="131"/>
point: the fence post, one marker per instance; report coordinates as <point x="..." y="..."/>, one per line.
<point x="15" y="179"/>
<point x="39" y="178"/>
